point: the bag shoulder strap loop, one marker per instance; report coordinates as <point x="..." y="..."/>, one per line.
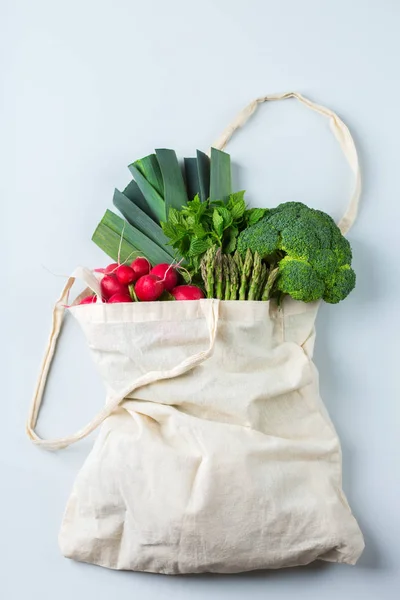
<point x="339" y="129"/>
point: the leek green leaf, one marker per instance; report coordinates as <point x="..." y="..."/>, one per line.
<point x="150" y="169"/>
<point x="175" y="195"/>
<point x="109" y="242"/>
<point x="134" y="194"/>
<point x="192" y="177"/>
<point x="220" y="175"/>
<point x="203" y="171"/>
<point x="135" y="238"/>
<point x="153" y="198"/>
<point x="140" y="220"/>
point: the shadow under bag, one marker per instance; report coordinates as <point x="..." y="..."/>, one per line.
<point x="215" y="452"/>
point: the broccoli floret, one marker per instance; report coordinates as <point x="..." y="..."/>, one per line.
<point x="340" y="285"/>
<point x="298" y="279"/>
<point x="258" y="238"/>
<point x="317" y="258"/>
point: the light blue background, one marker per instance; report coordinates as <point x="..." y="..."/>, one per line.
<point x="87" y="87"/>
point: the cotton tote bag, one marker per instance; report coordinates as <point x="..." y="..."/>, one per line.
<point x="215" y="452"/>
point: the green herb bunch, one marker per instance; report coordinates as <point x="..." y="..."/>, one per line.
<point x="198" y="226"/>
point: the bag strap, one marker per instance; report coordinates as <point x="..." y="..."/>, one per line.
<point x="186" y="365"/>
<point x="340" y="130"/>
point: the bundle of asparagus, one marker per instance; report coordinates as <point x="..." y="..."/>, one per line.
<point x="230" y="277"/>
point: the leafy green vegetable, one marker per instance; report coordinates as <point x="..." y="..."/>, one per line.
<point x="110" y="243"/>
<point x="220" y="175"/>
<point x="150" y="169"/>
<point x="175" y="195"/>
<point x="132" y="191"/>
<point x="203" y="171"/>
<point x="218" y="222"/>
<point x="136" y="217"/>
<point x="154" y="200"/>
<point x="200" y="225"/>
<point x="314" y="258"/>
<point x="192" y="177"/>
<point x="253" y="215"/>
<point x="108" y="237"/>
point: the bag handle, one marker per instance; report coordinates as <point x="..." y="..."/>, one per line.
<point x="58" y="315"/>
<point x="339" y="129"/>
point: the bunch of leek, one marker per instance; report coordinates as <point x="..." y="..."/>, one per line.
<point x="158" y="185"/>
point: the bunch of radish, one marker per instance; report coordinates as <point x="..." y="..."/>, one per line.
<point x="140" y="282"/>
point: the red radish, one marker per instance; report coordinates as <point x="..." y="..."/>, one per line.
<point x="148" y="288"/>
<point x="125" y="274"/>
<point x="89" y="300"/>
<point x="108" y="270"/>
<point x="141" y="266"/>
<point x="120" y="297"/>
<point x="111" y="268"/>
<point x="187" y="292"/>
<point x="110" y="286"/>
<point x="168" y="275"/>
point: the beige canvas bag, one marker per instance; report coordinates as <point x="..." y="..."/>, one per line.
<point x="215" y="452"/>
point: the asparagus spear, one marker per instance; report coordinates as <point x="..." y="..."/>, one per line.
<point x="239" y="262"/>
<point x="203" y="271"/>
<point x="245" y="274"/>
<point x="227" y="279"/>
<point x="207" y="271"/>
<point x="218" y="274"/>
<point x="262" y="282"/>
<point x="255" y="277"/>
<point x="234" y="278"/>
<point x="273" y="274"/>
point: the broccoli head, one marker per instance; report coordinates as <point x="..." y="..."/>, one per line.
<point x="314" y="257"/>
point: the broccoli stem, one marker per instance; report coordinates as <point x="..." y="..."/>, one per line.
<point x="245" y="275"/>
<point x="255" y="277"/>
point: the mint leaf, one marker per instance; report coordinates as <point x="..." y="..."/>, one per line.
<point x="174" y="217"/>
<point x="218" y="222"/>
<point x="199" y="230"/>
<point x="238" y="210"/>
<point x="235" y="197"/>
<point x="198" y="247"/>
<point x="169" y="230"/>
<point x="253" y="215"/>
<point x="230" y="244"/>
<point x="226" y="215"/>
